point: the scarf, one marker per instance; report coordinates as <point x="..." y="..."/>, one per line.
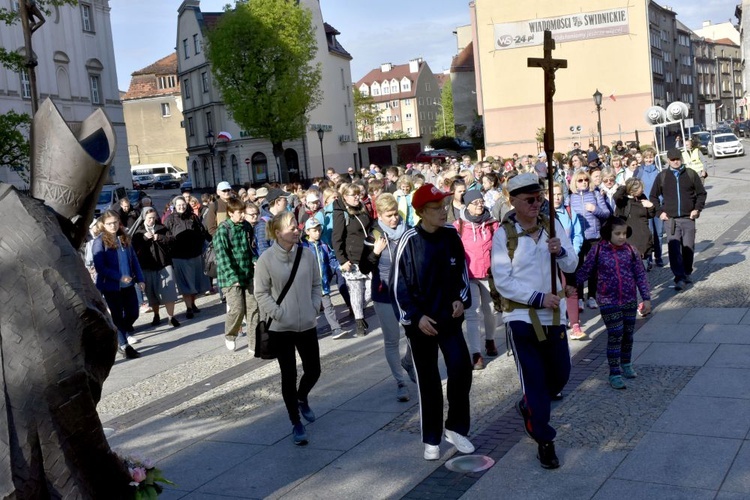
<point x="393" y="234"/>
<point x="485" y="216"/>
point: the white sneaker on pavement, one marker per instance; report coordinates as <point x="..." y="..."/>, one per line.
<point x="431" y="452"/>
<point x="231" y="344"/>
<point x="132" y="340"/>
<point x="460" y="442"/>
<point x="592" y="303"/>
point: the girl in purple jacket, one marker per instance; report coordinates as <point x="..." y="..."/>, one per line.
<point x="621" y="273"/>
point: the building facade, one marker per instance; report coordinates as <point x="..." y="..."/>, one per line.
<point x="245" y="159"/>
<point x="636" y="54"/>
<point x="719" y="78"/>
<point x="407" y="97"/>
<point x="76" y="70"/>
<point x="152" y="108"/>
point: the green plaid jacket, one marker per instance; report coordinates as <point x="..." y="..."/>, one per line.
<point x="234" y="259"/>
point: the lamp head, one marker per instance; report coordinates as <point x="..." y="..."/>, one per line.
<point x="598" y="98"/>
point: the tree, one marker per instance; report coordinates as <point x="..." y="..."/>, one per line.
<point x="445" y="128"/>
<point x="261" y="54"/>
<point x="14" y="145"/>
<point x="365" y="113"/>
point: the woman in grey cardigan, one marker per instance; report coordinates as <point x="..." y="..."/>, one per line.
<point x="294" y="320"/>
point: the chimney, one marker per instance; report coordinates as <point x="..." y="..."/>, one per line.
<point x="414" y="65"/>
<point x="386" y="67"/>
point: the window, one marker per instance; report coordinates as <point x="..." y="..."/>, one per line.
<point x="385" y="89"/>
<point x="343" y="80"/>
<point x="185" y="48"/>
<point x="421" y="101"/>
<point x="394" y="104"/>
<point x="408" y="116"/>
<point x="166" y="82"/>
<point x="87" y="18"/>
<point x="191" y="126"/>
<point x="407" y="102"/>
<point x="186" y="88"/>
<point x="25" y="85"/>
<point x="209" y="122"/>
<point x="95" y="85"/>
<point x="204" y="79"/>
<point x="14" y="6"/>
<point x="197" y="44"/>
<point x="427" y="86"/>
<point x="405" y="85"/>
<point x="165" y="109"/>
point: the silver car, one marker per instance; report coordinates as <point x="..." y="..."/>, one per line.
<point x="726" y="145"/>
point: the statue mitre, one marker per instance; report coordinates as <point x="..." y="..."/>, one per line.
<point x="70" y="163"/>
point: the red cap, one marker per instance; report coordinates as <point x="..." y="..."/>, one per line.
<point x="427" y="193"/>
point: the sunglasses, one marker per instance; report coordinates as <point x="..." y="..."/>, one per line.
<point x="225" y="190"/>
<point x="533" y="199"/>
<point x="581" y="181"/>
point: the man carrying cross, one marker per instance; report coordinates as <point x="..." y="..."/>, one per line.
<point x="533" y="313"/>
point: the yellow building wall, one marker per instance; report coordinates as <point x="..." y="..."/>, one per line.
<point x="153" y="138"/>
<point x="513" y="93"/>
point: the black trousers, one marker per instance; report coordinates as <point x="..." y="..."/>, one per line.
<point x="424" y="350"/>
<point x="544" y="368"/>
<point x="284" y="345"/>
<point x="123" y="306"/>
<point x="593" y="277"/>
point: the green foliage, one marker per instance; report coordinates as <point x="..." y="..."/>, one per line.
<point x="365" y="113"/>
<point x="14" y="145"/>
<point x="394" y="134"/>
<point x="261" y="54"/>
<point x="446" y="100"/>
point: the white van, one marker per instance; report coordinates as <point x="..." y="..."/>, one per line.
<point x="156" y="169"/>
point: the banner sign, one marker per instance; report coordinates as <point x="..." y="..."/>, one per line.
<point x="568" y="28"/>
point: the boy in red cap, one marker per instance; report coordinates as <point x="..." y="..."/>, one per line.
<point x="430" y="284"/>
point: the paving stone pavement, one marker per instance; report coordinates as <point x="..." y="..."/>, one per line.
<point x="216" y="422"/>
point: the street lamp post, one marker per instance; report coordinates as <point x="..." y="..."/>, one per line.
<point x="211" y="143"/>
<point x="320" y="137"/>
<point x="598" y="102"/>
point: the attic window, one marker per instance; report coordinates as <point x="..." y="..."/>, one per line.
<point x="166" y="82"/>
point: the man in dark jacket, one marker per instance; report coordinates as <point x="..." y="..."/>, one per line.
<point x="430" y="284"/>
<point x="682" y="199"/>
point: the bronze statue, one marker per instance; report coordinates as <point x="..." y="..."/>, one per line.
<point x="57" y="342"/>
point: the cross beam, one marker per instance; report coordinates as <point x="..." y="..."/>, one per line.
<point x="550" y="66"/>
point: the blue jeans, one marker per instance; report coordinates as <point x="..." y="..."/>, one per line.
<point x="656" y="225"/>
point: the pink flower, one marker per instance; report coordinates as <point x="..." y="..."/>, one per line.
<point x="138" y="474"/>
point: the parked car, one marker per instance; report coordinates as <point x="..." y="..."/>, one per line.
<point x="741" y="129"/>
<point x="726" y="145"/>
<point x="143" y="181"/>
<point x="166" y="181"/>
<point x="705" y="139"/>
<point x="187" y="185"/>
<point x="434" y="154"/>
<point x="109" y="197"/>
<point x="135" y="196"/>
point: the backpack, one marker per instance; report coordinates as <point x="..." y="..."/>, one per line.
<point x="512" y="236"/>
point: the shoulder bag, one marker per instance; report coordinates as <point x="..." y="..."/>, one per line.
<point x="262" y="346"/>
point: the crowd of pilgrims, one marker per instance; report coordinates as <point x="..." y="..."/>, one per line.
<point x="356" y="219"/>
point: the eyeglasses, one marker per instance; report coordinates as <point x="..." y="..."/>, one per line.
<point x="477" y="203"/>
<point x="581" y="181"/>
<point x="226" y="190"/>
<point x="607" y="181"/>
<point x="675" y="159"/>
<point x="249" y="214"/>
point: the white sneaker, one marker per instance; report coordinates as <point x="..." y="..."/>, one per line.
<point x="580" y="305"/>
<point x="132" y="340"/>
<point x="231" y="344"/>
<point x="592" y="303"/>
<point x="431" y="452"/>
<point x="460" y="442"/>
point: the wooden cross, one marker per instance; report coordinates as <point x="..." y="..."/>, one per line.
<point x="549" y="66"/>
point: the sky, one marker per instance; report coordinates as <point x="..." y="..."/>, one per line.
<point x="376" y="32"/>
